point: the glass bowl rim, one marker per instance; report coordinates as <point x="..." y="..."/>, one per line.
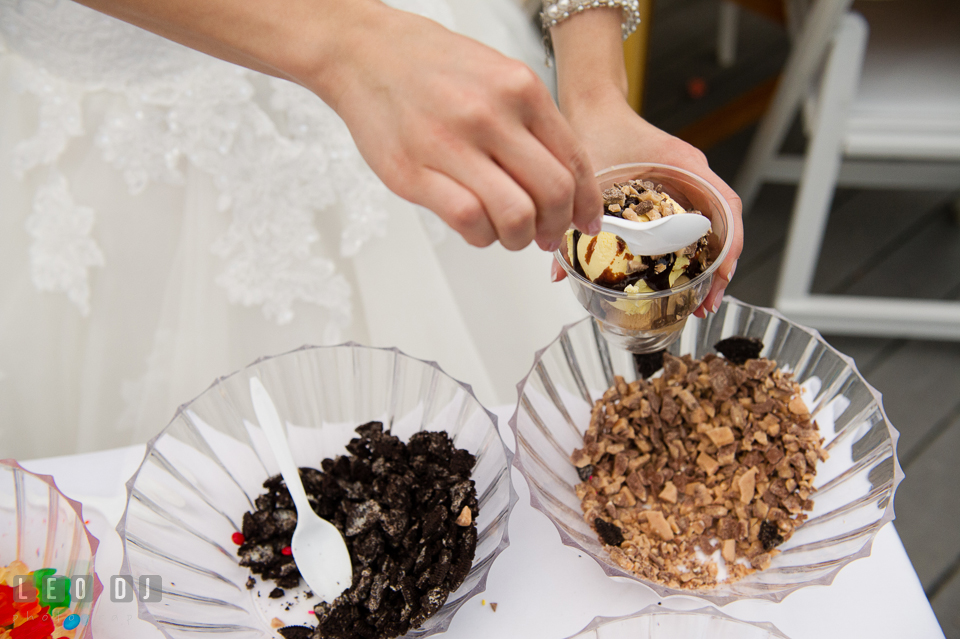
<point x="696" y="281"/>
<point x="143" y="611"/>
<point x="654" y="610"/>
<point x="709" y="594"/>
<point x="92" y="540"/>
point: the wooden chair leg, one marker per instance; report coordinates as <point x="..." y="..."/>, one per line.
<point x="822" y="163"/>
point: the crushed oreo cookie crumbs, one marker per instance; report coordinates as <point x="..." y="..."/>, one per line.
<point x="585" y="473"/>
<point x="646" y="364"/>
<point x="739" y="349"/>
<point x="408" y="513"/>
<point x="296" y="632"/>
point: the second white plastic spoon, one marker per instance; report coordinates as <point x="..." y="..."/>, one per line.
<point x="318" y="547"/>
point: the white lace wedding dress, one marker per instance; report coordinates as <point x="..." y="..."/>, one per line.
<point x="166" y="218"/>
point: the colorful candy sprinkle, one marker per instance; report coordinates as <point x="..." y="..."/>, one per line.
<point x="238" y="538"/>
<point x="25" y="614"/>
<point x="287" y="550"/>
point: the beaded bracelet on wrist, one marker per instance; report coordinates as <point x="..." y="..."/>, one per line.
<point x="556" y="11"/>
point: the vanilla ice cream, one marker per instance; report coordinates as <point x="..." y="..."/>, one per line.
<point x="605" y="260"/>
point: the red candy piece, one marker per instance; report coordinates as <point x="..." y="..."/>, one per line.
<point x="287" y="550"/>
<point x="38" y="628"/>
<point x="6" y="605"/>
<point x="238" y="538"/>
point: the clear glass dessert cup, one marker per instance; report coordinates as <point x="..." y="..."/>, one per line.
<point x="647" y="322"/>
<point x="657" y="622"/>
<point x="205" y="469"/>
<point x="43" y="528"/>
<point x="854" y="487"/>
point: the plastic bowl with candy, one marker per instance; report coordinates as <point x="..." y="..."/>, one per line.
<point x="48" y="581"/>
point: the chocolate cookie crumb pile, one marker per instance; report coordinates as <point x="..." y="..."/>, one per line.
<point x="408" y="513"/>
<point x="715" y="454"/>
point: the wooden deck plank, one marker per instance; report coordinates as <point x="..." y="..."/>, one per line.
<point x="909" y="270"/>
<point x="920" y="383"/>
<point x="867" y="352"/>
<point x="928" y="507"/>
<point x="756" y="284"/>
<point x="863" y="229"/>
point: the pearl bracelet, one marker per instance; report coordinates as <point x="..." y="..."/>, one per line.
<point x="556" y="11"/>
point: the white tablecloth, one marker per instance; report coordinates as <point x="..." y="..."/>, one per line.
<point x="544" y="589"/>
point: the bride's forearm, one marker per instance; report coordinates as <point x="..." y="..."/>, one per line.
<point x="589" y="54"/>
<point x="445" y="121"/>
<point x="300" y="40"/>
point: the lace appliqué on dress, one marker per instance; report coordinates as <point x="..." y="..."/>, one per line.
<point x="277" y="159"/>
<point x="62" y="249"/>
<point x="271" y="184"/>
<point x="60" y="118"/>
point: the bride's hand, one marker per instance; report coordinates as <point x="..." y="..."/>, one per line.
<point x="457" y="127"/>
<point x="614" y="134"/>
<point x="592" y="85"/>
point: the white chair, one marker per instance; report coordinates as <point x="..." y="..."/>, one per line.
<point x="881" y="105"/>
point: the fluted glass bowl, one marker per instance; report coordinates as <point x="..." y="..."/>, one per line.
<point x="855" y="486"/>
<point x="656" y="622"/>
<point x="206" y="468"/>
<point x="43" y="528"/>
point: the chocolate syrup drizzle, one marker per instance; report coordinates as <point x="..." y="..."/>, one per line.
<point x="656" y="281"/>
<point x="576" y="256"/>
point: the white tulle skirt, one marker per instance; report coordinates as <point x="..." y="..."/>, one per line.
<point x="137" y="266"/>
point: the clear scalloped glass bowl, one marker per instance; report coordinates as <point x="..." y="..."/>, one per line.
<point x="205" y="469"/>
<point x="656" y="622"/>
<point x="855" y="486"/>
<point x="43" y="528"/>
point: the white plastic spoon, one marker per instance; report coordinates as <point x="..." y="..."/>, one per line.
<point x="318" y="547"/>
<point x="658" y="237"/>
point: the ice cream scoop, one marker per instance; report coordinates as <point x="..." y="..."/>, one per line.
<point x="665" y="235"/>
<point x="606" y="260"/>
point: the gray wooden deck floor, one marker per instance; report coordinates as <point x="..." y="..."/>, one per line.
<point x="871" y="248"/>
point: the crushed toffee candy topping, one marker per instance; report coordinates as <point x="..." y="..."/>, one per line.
<point x="710" y="456"/>
<point x="640" y="201"/>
